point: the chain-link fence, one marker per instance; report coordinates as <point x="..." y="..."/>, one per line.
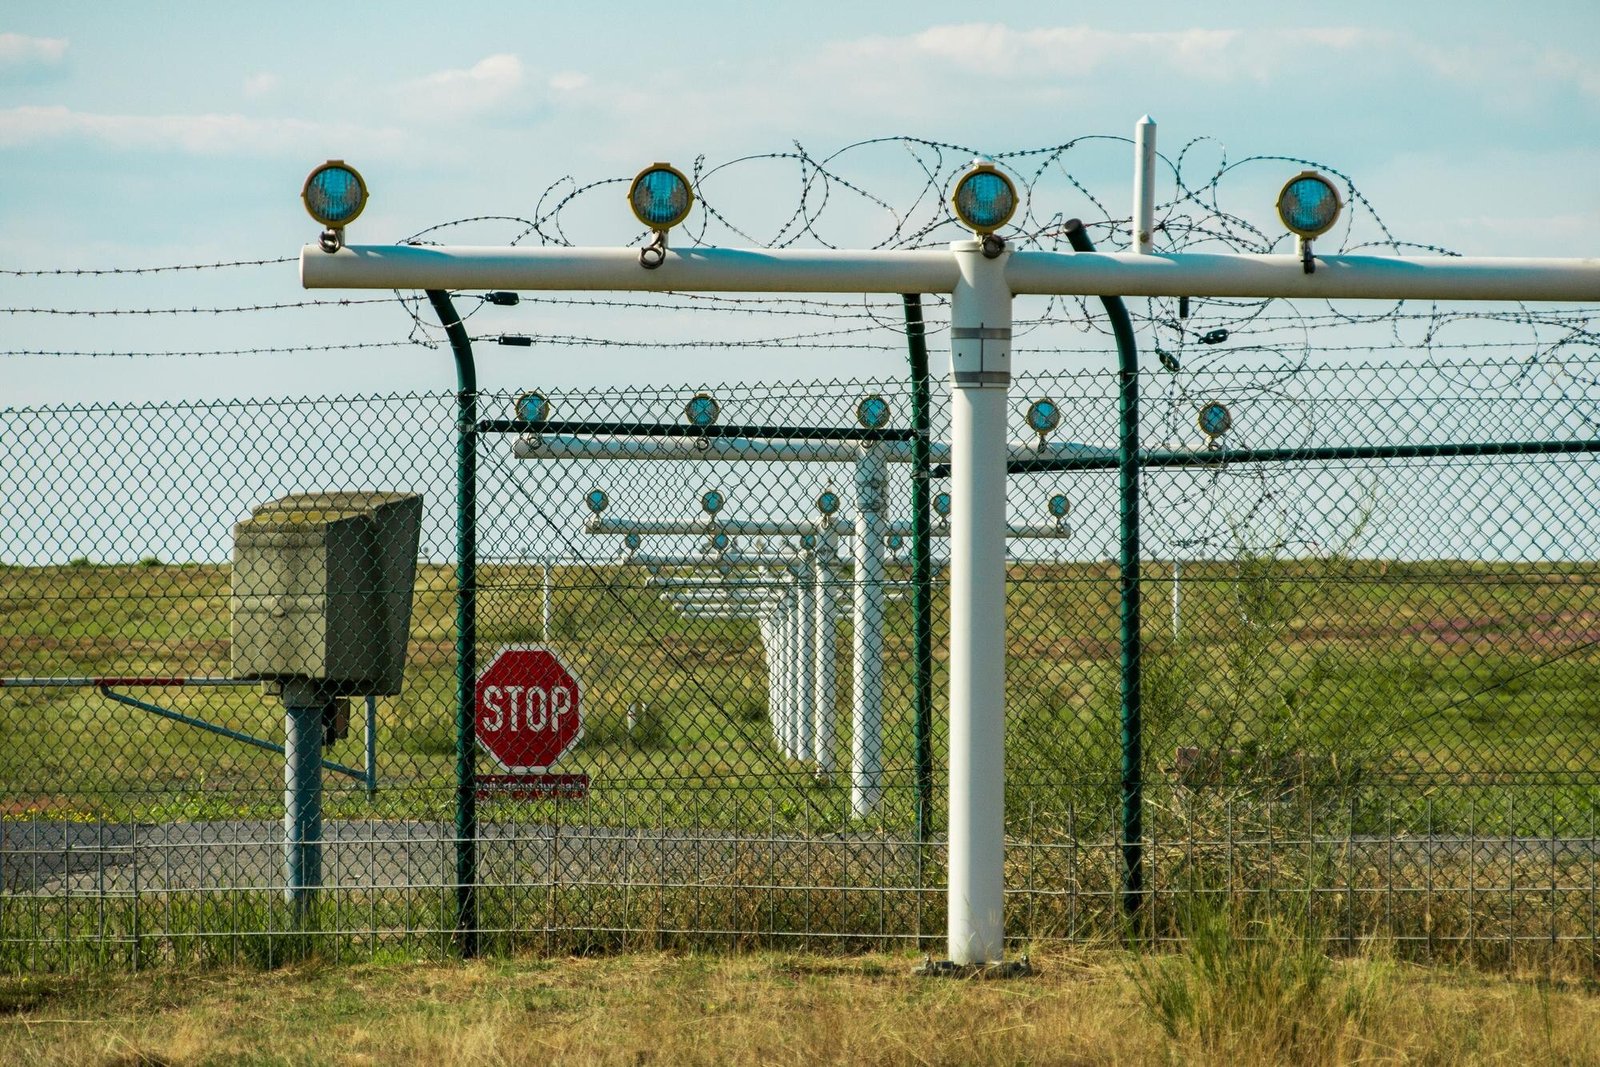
<point x="700" y="696"/>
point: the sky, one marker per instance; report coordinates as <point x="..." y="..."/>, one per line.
<point x="157" y="134"/>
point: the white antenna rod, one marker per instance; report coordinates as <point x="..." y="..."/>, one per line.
<point x="1144" y="185"/>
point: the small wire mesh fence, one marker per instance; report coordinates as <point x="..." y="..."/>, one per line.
<point x="1368" y="666"/>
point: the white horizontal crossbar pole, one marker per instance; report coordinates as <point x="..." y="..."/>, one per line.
<point x="574" y="446"/>
<point x="577" y="446"/>
<point x="934" y="271"/>
<point x="600" y="524"/>
<point x="726" y="270"/>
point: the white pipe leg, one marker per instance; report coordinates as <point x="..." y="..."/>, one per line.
<point x="805" y="661"/>
<point x="980" y="370"/>
<point x="826" y="670"/>
<point x="866" y="716"/>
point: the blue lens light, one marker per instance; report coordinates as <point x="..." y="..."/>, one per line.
<point x="660" y="197"/>
<point x="873" y="412"/>
<point x="1059" y="506"/>
<point x="828" y="502"/>
<point x="597" y="500"/>
<point x="985" y="199"/>
<point x="712" y="502"/>
<point x="1043" y="415"/>
<point x="533" y="407"/>
<point x="1215" y="419"/>
<point x="334" y="194"/>
<point x="941" y="504"/>
<point x="1309" y="205"/>
<point x="702" y="410"/>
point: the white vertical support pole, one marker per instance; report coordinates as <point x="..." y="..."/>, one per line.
<point x="785" y="628"/>
<point x="866" y="709"/>
<point x="980" y="372"/>
<point x="1144" y="185"/>
<point x="805" y="657"/>
<point x="826" y="669"/>
<point x="767" y="625"/>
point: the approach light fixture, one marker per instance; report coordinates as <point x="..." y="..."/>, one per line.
<point x="1308" y="206"/>
<point x="660" y="198"/>
<point x="828" y="502"/>
<point x="1215" y="420"/>
<point x="633" y="541"/>
<point x="533" y="407"/>
<point x="1043" y="416"/>
<point x="895" y="541"/>
<point x="941" y="504"/>
<point x="1059" y="506"/>
<point x="984" y="200"/>
<point x="597" y="500"/>
<point x="720" y="542"/>
<point x="334" y="195"/>
<point x="712" y="502"/>
<point x="873" y="412"/>
<point x="702" y="410"/>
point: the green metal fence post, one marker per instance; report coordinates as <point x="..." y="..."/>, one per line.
<point x="466" y="623"/>
<point x="921" y="567"/>
<point x="1128" y="585"/>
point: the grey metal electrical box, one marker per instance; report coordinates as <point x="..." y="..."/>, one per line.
<point x="322" y="590"/>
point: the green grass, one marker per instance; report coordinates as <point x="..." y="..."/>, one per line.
<point x="1440" y="676"/>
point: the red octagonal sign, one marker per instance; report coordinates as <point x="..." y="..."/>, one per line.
<point x="527" y="709"/>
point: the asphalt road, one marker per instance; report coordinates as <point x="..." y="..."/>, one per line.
<point x="88" y="859"/>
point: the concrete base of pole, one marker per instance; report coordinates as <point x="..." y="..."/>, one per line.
<point x="932" y="968"/>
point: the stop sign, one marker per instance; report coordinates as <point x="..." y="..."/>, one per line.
<point x="526" y="708"/>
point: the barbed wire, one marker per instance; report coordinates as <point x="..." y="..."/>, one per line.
<point x="277" y="350"/>
<point x="163" y="269"/>
<point x="244" y="308"/>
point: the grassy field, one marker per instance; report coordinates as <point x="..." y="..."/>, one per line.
<point x="1355" y="673"/>
<point x="1266" y="1002"/>
<point x="1410" y="744"/>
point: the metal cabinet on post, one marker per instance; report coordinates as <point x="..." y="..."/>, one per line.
<point x="321" y="610"/>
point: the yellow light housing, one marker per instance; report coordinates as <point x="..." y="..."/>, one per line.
<point x="660" y="196"/>
<point x="334" y="194"/>
<point x="985" y="199"/>
<point x="1309" y="205"/>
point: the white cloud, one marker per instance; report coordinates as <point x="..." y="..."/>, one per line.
<point x="19" y="51"/>
<point x="213" y="134"/>
<point x="486" y="84"/>
<point x="568" y="81"/>
<point x="31" y="59"/>
<point x="257" y="86"/>
<point x="1080" y="53"/>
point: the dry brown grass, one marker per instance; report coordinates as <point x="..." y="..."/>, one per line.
<point x="1085" y="1007"/>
